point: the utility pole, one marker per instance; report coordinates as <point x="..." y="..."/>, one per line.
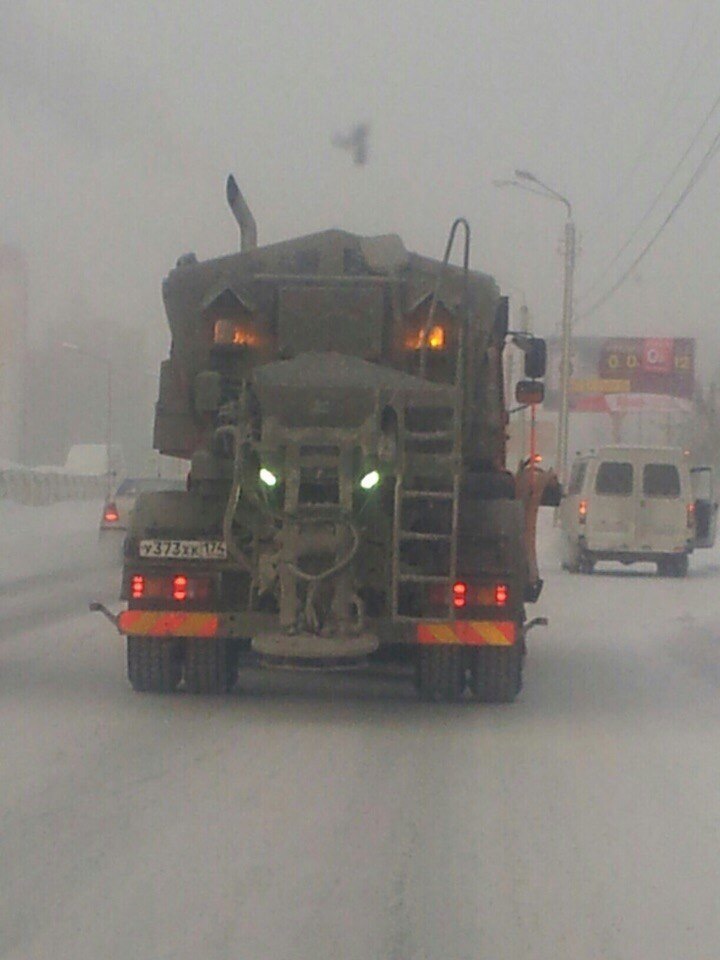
<point x="109" y="432"/>
<point x="566" y="341"/>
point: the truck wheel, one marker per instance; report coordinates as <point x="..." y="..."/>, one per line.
<point x="154" y="664"/>
<point x="673" y="566"/>
<point x="679" y="566"/>
<point x="496" y="673"/>
<point x="572" y="564"/>
<point x="440" y="672"/>
<point x="210" y="666"/>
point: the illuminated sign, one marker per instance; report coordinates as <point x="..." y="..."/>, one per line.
<point x="602" y="367"/>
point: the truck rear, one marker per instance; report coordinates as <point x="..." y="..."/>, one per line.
<point x="341" y="402"/>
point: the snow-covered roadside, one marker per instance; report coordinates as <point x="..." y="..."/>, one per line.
<point x="637" y="631"/>
<point x="43" y="540"/>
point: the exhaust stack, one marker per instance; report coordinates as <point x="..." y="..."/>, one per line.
<point x="243" y="215"/>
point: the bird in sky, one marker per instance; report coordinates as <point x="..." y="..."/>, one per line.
<point x="355" y="141"/>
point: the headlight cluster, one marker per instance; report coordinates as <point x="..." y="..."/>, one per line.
<point x="267" y="477"/>
<point x="368" y="482"/>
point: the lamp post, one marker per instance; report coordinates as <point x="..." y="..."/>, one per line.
<point x="521" y="181"/>
<point x="109" y="404"/>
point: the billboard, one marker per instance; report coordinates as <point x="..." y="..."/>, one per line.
<point x="613" y="374"/>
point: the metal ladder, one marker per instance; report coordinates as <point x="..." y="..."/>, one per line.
<point x="436" y="481"/>
<point x="443" y="464"/>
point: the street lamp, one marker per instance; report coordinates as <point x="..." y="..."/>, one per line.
<point x="521" y="181"/>
<point x="109" y="410"/>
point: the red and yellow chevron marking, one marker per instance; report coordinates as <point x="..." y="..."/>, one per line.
<point x="168" y="623"/>
<point x="477" y="633"/>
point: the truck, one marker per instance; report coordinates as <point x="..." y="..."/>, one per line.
<point x="341" y="403"/>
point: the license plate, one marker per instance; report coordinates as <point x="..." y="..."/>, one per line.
<point x="183" y="549"/>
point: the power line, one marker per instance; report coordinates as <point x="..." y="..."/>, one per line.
<point x="658" y="197"/>
<point x="652" y="137"/>
<point x="694" y="180"/>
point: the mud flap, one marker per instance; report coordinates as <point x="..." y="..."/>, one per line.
<point x="530" y="486"/>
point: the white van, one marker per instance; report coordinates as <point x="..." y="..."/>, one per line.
<point x="636" y="504"/>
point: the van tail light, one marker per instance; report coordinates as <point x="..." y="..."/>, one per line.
<point x="137" y="587"/>
<point x="111" y="515"/>
<point x="459" y="595"/>
<point x="501" y="594"/>
<point x="582" y="511"/>
<point x="691" y="516"/>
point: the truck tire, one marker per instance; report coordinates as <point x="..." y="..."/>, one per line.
<point x="572" y="564"/>
<point x="440" y="673"/>
<point x="673" y="566"/>
<point x="210" y="666"/>
<point x="496" y="673"/>
<point x="679" y="565"/>
<point x="154" y="664"/>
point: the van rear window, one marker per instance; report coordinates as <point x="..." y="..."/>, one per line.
<point x="614" y="479"/>
<point x="577" y="477"/>
<point x="661" y="480"/>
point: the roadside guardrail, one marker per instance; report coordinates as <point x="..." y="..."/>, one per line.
<point x="42" y="487"/>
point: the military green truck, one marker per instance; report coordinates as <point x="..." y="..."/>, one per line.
<point x="341" y="402"/>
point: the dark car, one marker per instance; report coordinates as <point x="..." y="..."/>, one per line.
<point x="116" y="510"/>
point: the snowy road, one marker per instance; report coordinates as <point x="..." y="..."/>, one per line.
<point x="335" y="817"/>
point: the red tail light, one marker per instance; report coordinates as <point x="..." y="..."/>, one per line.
<point x="180" y="587"/>
<point x="459" y="594"/>
<point x="691" y="515"/>
<point x="137" y="587"/>
<point x="111" y="514"/>
<point x="501" y="594"/>
<point x="582" y="511"/>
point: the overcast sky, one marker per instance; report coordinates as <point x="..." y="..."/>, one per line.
<point x="120" y="122"/>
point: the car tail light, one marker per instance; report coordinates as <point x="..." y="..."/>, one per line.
<point x="582" y="511"/>
<point x="459" y="594"/>
<point x="501" y="594"/>
<point x="137" y="587"/>
<point x="111" y="514"/>
<point x="180" y="587"/>
<point x="690" y="515"/>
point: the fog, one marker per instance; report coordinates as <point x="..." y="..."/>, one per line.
<point x="312" y="814"/>
<point x="119" y="125"/>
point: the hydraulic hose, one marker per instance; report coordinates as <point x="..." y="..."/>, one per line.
<point x="337" y="567"/>
<point x="234" y="498"/>
<point x="231" y="507"/>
